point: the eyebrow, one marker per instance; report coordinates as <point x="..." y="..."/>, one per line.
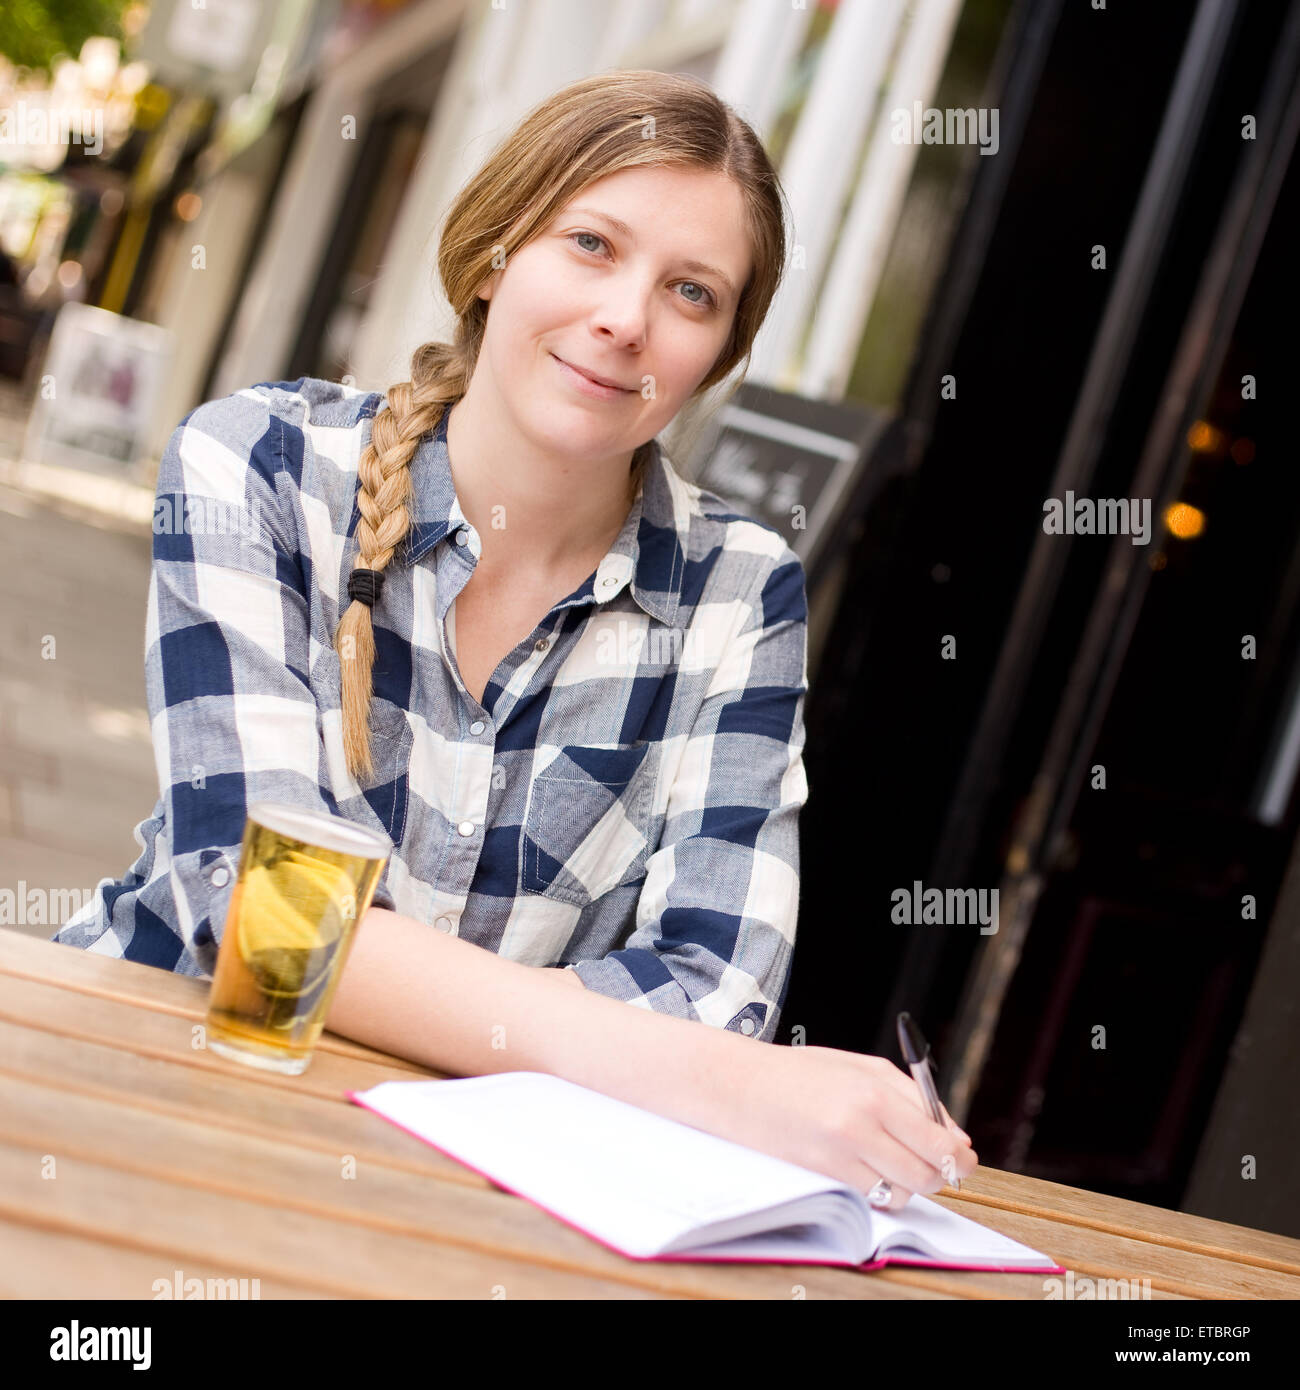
<point x="696" y="267"/>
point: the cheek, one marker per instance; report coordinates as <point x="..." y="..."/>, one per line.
<point x="525" y="303"/>
<point x="685" y="359"/>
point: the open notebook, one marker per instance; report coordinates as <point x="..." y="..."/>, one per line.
<point x="654" y="1189"/>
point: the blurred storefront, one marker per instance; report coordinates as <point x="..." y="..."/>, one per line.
<point x="260" y="66"/>
<point x="62" y="187"/>
<point x="167" y="218"/>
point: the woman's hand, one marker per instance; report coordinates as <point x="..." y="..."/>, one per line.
<point x="854" y="1117"/>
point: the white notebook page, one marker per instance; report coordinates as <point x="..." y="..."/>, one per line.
<point x="634" y="1179"/>
<point x="930" y="1229"/>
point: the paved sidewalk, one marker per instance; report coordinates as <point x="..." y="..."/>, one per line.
<point x="76" y="757"/>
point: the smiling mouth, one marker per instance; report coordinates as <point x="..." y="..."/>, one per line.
<point x="609" y="385"/>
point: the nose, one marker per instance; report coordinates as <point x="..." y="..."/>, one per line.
<point x="621" y="313"/>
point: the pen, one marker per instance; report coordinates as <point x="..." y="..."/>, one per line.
<point x="916" y="1053"/>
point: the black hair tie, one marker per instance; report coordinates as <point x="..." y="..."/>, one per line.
<point x="366" y="585"/>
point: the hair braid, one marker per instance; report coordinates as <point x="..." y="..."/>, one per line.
<point x="412" y="409"/>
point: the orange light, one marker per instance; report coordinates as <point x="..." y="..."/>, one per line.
<point x="1204" y="438"/>
<point x="187" y="206"/>
<point x="1184" y="521"/>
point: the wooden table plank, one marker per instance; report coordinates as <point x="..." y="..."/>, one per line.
<point x="1099" y="1254"/>
<point x="148" y="1033"/>
<point x="56" y="1265"/>
<point x="999" y="1191"/>
<point x="109" y="977"/>
<point x="179" y="1224"/>
<point x="223" y="1100"/>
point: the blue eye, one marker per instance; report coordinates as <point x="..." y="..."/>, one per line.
<point x="712" y="299"/>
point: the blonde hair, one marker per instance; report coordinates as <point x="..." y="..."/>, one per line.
<point x="592" y="128"/>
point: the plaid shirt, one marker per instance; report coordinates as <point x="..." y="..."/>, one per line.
<point x="624" y="802"/>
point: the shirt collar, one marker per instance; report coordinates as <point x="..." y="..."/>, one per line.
<point x="649" y="552"/>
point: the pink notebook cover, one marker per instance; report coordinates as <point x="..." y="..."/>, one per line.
<point x="687" y="1258"/>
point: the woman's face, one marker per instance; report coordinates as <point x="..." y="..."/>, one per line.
<point x="636" y="281"/>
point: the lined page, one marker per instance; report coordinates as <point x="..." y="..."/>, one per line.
<point x="634" y="1179"/>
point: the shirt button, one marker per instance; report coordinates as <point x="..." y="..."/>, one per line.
<point x="541" y="644"/>
<point x="443" y="924"/>
<point x="477" y="727"/>
<point x="746" y="1025"/>
<point x="220" y="877"/>
<point x="462" y="536"/>
<point x="466" y="827"/>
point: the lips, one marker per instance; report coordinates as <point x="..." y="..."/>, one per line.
<point x="591" y="376"/>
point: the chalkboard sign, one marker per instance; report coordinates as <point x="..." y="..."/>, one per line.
<point x="786" y="460"/>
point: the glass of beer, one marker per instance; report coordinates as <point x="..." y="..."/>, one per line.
<point x="305" y="880"/>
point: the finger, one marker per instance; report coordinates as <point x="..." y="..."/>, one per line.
<point x="934" y="1145"/>
<point x="906" y="1085"/>
<point x="898" y="1198"/>
<point x="901" y="1162"/>
<point x="864" y="1177"/>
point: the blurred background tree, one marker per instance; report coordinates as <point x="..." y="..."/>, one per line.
<point x="34" y="32"/>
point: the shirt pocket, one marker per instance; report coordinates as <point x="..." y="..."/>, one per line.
<point x="585" y="829"/>
<point x="387" y="789"/>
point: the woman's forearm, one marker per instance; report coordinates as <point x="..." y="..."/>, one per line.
<point x="458" y="1008"/>
<point x="461" y="1009"/>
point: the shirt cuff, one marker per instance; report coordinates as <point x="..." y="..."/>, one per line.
<point x="642" y="978"/>
<point x="208" y="892"/>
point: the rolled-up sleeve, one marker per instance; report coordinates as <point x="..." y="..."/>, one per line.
<point x="716" y="917"/>
<point x="227" y="661"/>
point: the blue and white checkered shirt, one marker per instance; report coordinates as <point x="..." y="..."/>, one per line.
<point x="624" y="802"/>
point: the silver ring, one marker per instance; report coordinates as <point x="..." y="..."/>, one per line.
<point x="880" y="1195"/>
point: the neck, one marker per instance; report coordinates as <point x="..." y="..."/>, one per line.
<point x="529" y="507"/>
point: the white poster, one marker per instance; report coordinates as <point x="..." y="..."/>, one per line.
<point x="97" y="390"/>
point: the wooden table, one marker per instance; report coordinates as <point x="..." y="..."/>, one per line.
<point x="127" y="1154"/>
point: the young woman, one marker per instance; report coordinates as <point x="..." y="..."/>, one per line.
<point x="483" y="613"/>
